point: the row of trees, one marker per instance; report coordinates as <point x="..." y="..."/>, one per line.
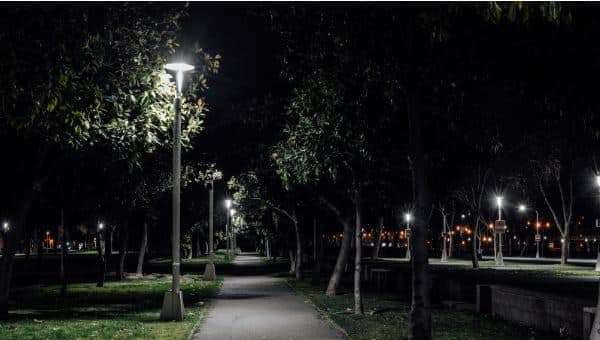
<point x="85" y="120"/>
<point x="455" y="103"/>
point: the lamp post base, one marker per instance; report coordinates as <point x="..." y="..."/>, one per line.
<point x="172" y="308"/>
<point x="209" y="272"/>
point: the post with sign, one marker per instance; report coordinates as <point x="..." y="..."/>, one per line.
<point x="499" y="229"/>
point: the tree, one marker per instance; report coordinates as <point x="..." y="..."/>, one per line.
<point x="101" y="86"/>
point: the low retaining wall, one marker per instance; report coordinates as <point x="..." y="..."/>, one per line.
<point x="539" y="310"/>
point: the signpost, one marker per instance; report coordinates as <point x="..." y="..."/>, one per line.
<point x="499" y="229"/>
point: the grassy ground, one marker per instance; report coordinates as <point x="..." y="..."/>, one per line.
<point x="387" y="317"/>
<point x="512" y="268"/>
<point x="119" y="310"/>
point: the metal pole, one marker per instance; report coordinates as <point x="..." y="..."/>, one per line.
<point x="227" y="233"/>
<point x="499" y="256"/>
<point x="537" y="233"/>
<point x="176" y="192"/>
<point x="210" y="217"/>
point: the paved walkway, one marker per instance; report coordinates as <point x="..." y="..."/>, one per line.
<point x="261" y="307"/>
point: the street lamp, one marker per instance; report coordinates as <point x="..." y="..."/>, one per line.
<point x="172" y="308"/>
<point x="408" y="218"/>
<point x="100" y="226"/>
<point x="5" y="226"/>
<point x="538" y="238"/>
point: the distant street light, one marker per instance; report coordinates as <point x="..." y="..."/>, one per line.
<point x="100" y="226"/>
<point x="538" y="238"/>
<point x="172" y="308"/>
<point x="5" y="226"/>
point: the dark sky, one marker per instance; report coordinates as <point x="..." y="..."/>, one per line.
<point x="243" y="41"/>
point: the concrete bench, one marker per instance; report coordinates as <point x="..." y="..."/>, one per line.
<point x="380" y="276"/>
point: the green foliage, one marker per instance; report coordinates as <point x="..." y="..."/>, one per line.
<point x="82" y="76"/>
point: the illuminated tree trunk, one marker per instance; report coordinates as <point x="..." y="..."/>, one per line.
<point x="340" y="263"/>
<point x="63" y="254"/>
<point x="122" y="251"/>
<point x="142" y="254"/>
<point x="298" y="270"/>
<point x="100" y="247"/>
<point x="358" y="305"/>
<point x="377" y="246"/>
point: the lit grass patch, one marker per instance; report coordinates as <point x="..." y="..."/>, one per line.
<point x="120" y="310"/>
<point x="387" y="317"/>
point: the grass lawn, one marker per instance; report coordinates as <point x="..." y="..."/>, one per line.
<point x="387" y="317"/>
<point x="119" y="310"/>
<point x="510" y="267"/>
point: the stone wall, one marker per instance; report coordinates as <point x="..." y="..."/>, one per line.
<point x="539" y="310"/>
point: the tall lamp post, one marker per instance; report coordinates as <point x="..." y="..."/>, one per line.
<point x="538" y="237"/>
<point x="498" y="231"/>
<point x="408" y="218"/>
<point x="227" y="227"/>
<point x="209" y="269"/>
<point x="232" y="231"/>
<point x="172" y="308"/>
<point x="598" y="244"/>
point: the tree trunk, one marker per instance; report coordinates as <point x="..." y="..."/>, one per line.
<point x="15" y="234"/>
<point x="564" y="247"/>
<point x="420" y="313"/>
<point x="474" y="257"/>
<point x="108" y="247"/>
<point x="336" y="275"/>
<point x="377" y="247"/>
<point x="358" y="305"/>
<point x="198" y="244"/>
<point x="100" y="246"/>
<point x="40" y="251"/>
<point x="122" y="252"/>
<point x="298" y="271"/>
<point x="8" y="260"/>
<point x="63" y="254"/>
<point x="142" y="254"/>
<point x="292" y="261"/>
<point x="316" y="277"/>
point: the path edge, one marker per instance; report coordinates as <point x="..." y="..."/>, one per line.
<point x="205" y="313"/>
<point x="323" y="315"/>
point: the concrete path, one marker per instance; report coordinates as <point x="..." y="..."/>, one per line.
<point x="261" y="307"/>
<point x="590" y="262"/>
